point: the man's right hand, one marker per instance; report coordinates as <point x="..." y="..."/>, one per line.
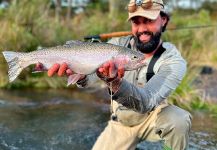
<point x="59" y="69"/>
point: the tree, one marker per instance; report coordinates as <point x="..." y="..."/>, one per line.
<point x="211" y="6"/>
<point x="69" y="11"/>
<point x="58" y="9"/>
<point x="116" y="6"/>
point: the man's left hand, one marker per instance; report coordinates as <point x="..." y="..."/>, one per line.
<point x="111" y="73"/>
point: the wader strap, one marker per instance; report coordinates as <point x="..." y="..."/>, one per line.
<point x="129" y="45"/>
<point x="156" y="56"/>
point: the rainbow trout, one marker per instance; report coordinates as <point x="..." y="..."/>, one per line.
<point x="82" y="57"/>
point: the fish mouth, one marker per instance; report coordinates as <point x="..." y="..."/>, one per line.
<point x="141" y="63"/>
<point x="136" y="65"/>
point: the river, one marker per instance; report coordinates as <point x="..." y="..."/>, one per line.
<point x="72" y="119"/>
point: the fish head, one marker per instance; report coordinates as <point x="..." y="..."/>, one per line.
<point x="130" y="60"/>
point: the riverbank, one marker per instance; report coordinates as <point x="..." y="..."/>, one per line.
<point x="207" y="83"/>
<point x="69" y="119"/>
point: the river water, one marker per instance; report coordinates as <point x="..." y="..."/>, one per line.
<point x="71" y="119"/>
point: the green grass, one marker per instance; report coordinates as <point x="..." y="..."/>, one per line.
<point x="190" y="98"/>
<point x="198" y="48"/>
<point x="30" y="24"/>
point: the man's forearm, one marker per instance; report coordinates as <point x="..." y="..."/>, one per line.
<point x="153" y="92"/>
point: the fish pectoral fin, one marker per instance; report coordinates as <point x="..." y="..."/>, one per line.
<point x="72" y="79"/>
<point x="113" y="72"/>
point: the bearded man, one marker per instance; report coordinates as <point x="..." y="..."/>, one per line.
<point x="139" y="98"/>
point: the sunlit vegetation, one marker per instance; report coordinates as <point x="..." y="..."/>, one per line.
<point x="26" y="25"/>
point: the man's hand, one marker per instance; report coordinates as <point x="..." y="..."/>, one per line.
<point x="59" y="69"/>
<point x="110" y="73"/>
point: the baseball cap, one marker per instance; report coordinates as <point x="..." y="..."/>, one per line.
<point x="145" y="8"/>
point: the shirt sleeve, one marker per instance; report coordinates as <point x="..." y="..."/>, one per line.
<point x="157" y="89"/>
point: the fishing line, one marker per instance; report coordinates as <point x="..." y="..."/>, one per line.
<point x="192" y="27"/>
<point x="111" y="95"/>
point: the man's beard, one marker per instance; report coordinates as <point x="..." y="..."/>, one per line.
<point x="149" y="46"/>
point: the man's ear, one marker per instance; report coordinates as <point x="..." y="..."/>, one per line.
<point x="164" y="20"/>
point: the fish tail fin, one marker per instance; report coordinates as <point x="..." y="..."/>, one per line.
<point x="13" y="60"/>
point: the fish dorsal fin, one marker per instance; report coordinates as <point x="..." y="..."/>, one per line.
<point x="74" y="42"/>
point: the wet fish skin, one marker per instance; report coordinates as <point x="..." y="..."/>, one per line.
<point x="82" y="57"/>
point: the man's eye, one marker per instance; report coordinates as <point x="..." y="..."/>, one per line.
<point x="149" y="21"/>
<point x="135" y="22"/>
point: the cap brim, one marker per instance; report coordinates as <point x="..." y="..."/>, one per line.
<point x="150" y="14"/>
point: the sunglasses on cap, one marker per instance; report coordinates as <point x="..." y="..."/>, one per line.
<point x="145" y="4"/>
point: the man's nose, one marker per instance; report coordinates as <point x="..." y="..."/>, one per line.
<point x="142" y="28"/>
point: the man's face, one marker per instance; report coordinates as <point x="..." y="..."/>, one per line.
<point x="147" y="33"/>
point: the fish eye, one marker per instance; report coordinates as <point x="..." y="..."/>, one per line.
<point x="134" y="57"/>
